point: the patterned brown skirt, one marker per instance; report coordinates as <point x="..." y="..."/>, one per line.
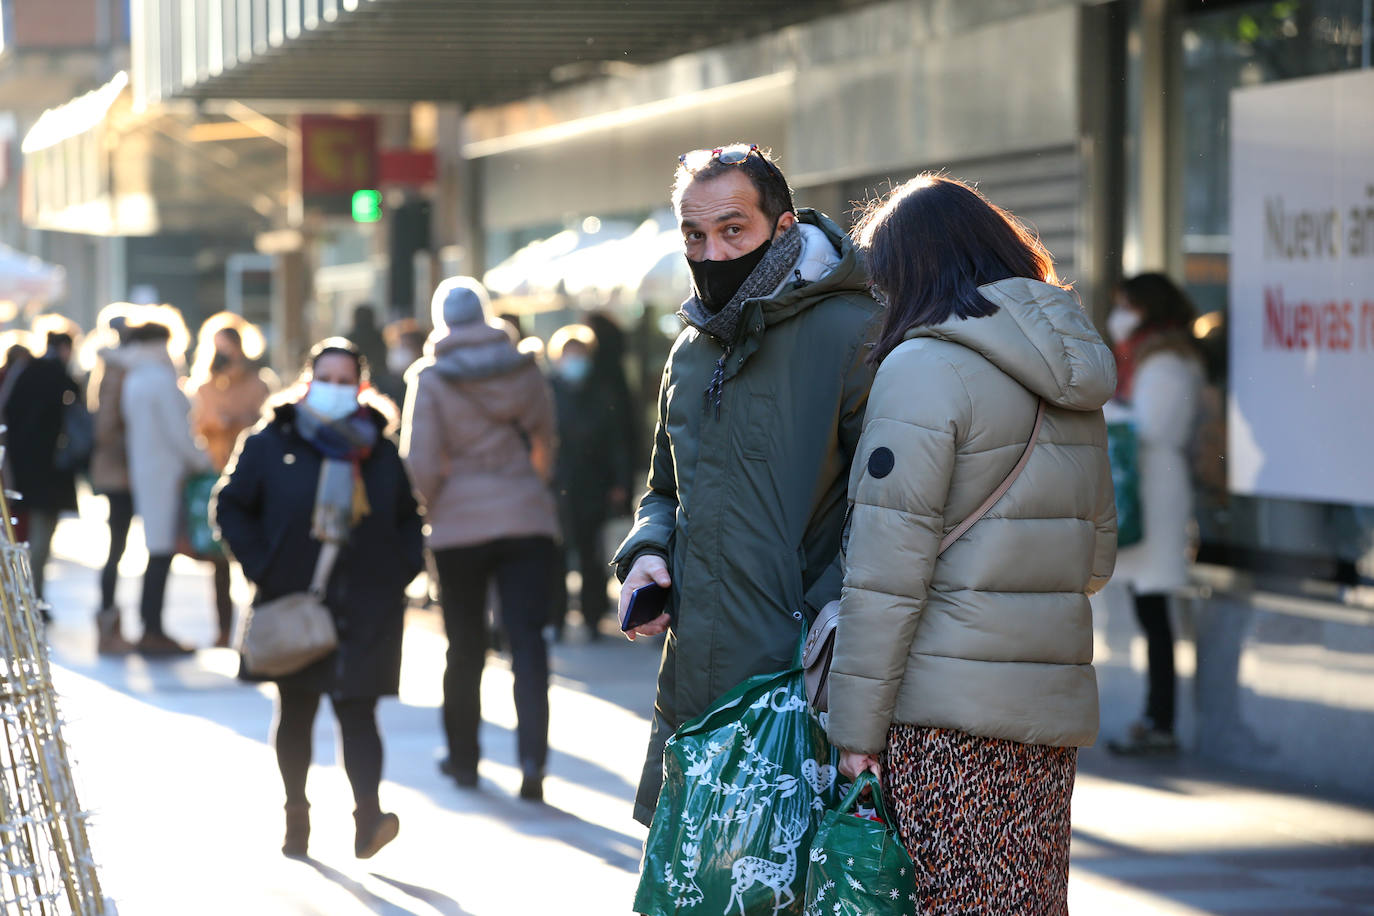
<point x="985" y="821"/>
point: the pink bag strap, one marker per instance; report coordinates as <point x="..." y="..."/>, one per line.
<point x="1001" y="491"/>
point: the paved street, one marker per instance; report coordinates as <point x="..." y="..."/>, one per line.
<point x="174" y="762"/>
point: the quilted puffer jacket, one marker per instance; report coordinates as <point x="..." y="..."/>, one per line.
<point x="995" y="637"/>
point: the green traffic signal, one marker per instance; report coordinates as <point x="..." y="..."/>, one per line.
<point x="367" y="206"/>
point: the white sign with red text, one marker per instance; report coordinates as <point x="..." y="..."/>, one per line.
<point x="1302" y="289"/>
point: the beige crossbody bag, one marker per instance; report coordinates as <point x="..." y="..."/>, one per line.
<point x="283" y="636"/>
<point x="820" y="642"/>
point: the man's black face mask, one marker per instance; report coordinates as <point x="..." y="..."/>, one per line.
<point x="717" y="282"/>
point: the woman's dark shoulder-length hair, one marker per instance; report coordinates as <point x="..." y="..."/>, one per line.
<point x="930" y="243"/>
<point x="1162" y="305"/>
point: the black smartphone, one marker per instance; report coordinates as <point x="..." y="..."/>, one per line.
<point x="647" y="603"/>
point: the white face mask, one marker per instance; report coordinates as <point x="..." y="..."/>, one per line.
<point x="398" y="361"/>
<point x="331" y="401"/>
<point x="1122" y="323"/>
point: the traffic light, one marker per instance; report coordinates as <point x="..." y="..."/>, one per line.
<point x="367" y="206"/>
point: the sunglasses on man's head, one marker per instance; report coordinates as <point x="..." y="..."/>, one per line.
<point x="729" y="155"/>
<point x="733" y="155"/>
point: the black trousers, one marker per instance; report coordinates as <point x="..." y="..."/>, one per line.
<point x="1153" y="613"/>
<point x="224" y="602"/>
<point x="360" y="740"/>
<point x="121" y="517"/>
<point x="154" y="592"/>
<point x="522" y="570"/>
<point x="582" y="537"/>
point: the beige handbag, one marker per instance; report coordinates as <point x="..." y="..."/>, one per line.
<point x="820" y="642"/>
<point x="283" y="636"/>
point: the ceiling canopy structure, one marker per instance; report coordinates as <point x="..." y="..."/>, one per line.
<point x="471" y="52"/>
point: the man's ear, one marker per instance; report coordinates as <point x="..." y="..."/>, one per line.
<point x="785" y="222"/>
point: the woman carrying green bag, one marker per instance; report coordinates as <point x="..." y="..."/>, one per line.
<point x="858" y="864"/>
<point x="964" y="678"/>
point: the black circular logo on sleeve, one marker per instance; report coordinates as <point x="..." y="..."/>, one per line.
<point x="881" y="462"/>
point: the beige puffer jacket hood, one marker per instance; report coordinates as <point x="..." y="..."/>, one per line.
<point x="995" y="638"/>
<point x="478" y="431"/>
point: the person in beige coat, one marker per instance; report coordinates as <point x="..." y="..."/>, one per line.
<point x="478" y="436"/>
<point x="965" y="679"/>
<point x="227" y="395"/>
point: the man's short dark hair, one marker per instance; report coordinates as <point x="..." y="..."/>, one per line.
<point x="59" y="339"/>
<point x="775" y="197"/>
<point x="150" y="332"/>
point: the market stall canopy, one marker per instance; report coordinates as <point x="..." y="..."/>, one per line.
<point x="25" y="278"/>
<point x="95" y="166"/>
<point x="613" y="267"/>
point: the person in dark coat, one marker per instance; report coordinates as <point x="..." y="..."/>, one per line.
<point x="366" y="334"/>
<point x="609" y="380"/>
<point x="591" y="471"/>
<point x="290" y="487"/>
<point x="41" y="394"/>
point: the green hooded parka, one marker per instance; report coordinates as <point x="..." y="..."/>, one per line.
<point x="747" y="493"/>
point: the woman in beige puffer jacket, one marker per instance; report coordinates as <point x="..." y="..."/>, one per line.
<point x="479" y="438"/>
<point x="965" y="679"/>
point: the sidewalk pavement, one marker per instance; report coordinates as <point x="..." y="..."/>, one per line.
<point x="173" y="759"/>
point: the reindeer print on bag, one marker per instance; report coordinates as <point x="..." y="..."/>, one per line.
<point x="776" y="876"/>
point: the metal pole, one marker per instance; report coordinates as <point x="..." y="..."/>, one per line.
<point x="1367" y="28"/>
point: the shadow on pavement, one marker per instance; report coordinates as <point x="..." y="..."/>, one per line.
<point x="443" y="905"/>
<point x="363" y="895"/>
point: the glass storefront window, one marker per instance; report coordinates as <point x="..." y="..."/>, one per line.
<point x="1248" y="44"/>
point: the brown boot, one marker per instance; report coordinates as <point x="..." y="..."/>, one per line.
<point x="109" y="641"/>
<point x="160" y="645"/>
<point x="297" y="830"/>
<point x="374" y="828"/>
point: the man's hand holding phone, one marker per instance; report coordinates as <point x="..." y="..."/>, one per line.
<point x="649" y="569"/>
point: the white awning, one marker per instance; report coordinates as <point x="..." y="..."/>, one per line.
<point x="74" y="118"/>
<point x="614" y="265"/>
<point x="25" y="278"/>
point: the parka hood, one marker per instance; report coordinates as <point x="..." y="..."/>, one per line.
<point x="1039" y="336"/>
<point x="480" y="359"/>
<point x="829" y="263"/>
<point x="144" y="353"/>
<point x="473" y="351"/>
<point x="115" y="356"/>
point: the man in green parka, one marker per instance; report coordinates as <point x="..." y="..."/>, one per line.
<point x="759" y="414"/>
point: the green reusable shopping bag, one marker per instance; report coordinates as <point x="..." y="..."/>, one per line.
<point x="1124" y="454"/>
<point x="202" y="541"/>
<point x="858" y="865"/>
<point x="744" y="788"/>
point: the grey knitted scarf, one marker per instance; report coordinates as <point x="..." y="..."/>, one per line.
<point x="782" y="256"/>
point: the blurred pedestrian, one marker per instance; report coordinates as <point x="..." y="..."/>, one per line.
<point x="1160" y="380"/>
<point x="322" y="470"/>
<point x="608" y="377"/>
<point x="18" y="354"/>
<point x="162" y="455"/>
<point x="227" y="394"/>
<point x="479" y="438"/>
<point x="366" y="335"/>
<point x="405" y="343"/>
<point x="590" y="471"/>
<point x="759" y="414"/>
<point x="110" y="464"/>
<point x="43" y="391"/>
<point x="964" y="679"/>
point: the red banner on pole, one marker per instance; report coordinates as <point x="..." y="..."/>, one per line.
<point x="338" y="155"/>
